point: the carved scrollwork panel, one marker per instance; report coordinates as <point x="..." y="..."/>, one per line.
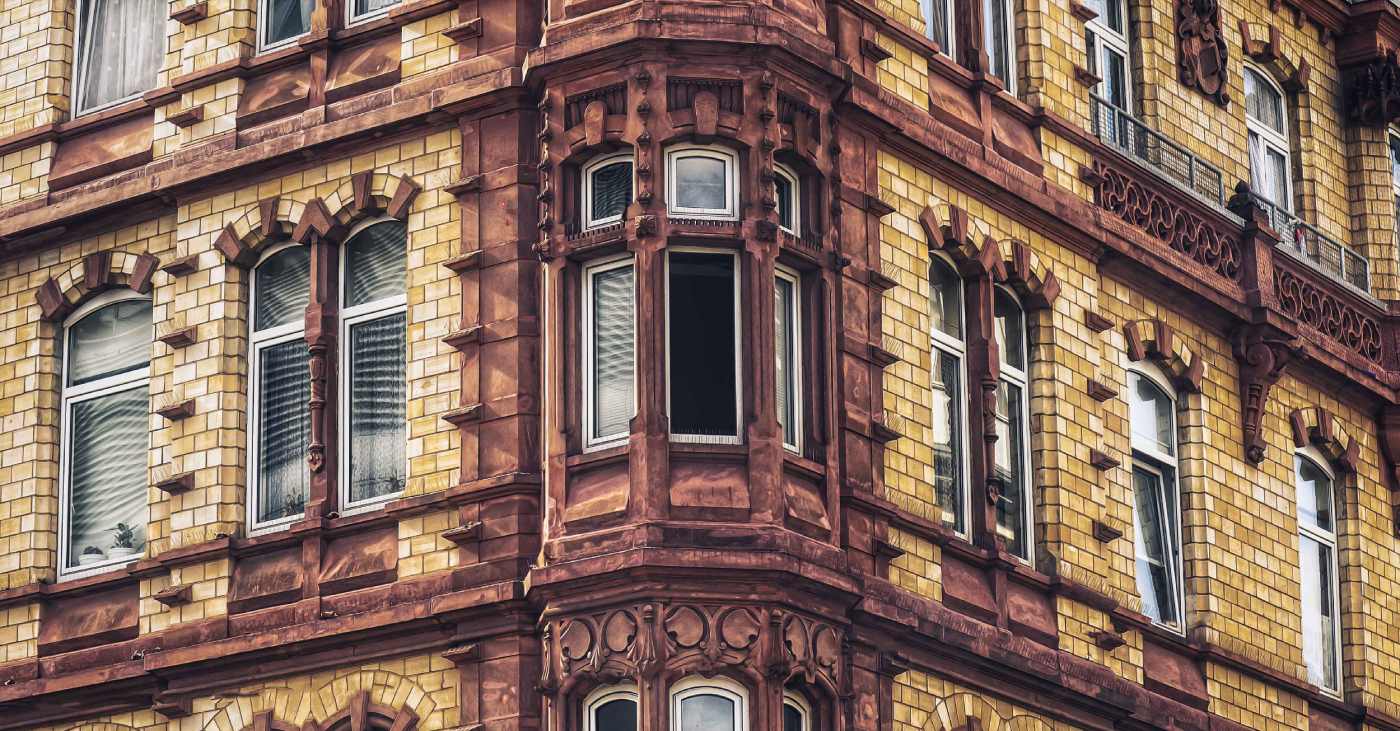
<point x="1313" y="305"/>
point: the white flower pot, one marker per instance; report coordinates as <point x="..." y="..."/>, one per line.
<point x="115" y="552"/>
<point x="88" y="559"/>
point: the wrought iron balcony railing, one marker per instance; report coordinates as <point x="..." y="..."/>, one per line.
<point x="1304" y="240"/>
<point x="1131" y="136"/>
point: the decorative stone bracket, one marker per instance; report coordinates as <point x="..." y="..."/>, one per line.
<point x="1371" y="91"/>
<point x="1262" y="356"/>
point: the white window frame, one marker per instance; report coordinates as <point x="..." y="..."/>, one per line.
<point x="349" y="317"/>
<point x="70" y="395"/>
<point x="926" y="10"/>
<point x="1392" y="139"/>
<point x="731" y="182"/>
<point x="738" y="350"/>
<point x="1329" y="539"/>
<point x="352" y="19"/>
<point x="591" y="443"/>
<point x="1155" y="462"/>
<point x="1012" y="68"/>
<point x="1104" y="40"/>
<point x="720" y="686"/>
<point x="607" y="694"/>
<point x="1021" y="379"/>
<point x="794" y="184"/>
<point x="79" y="76"/>
<point x="265" y="16"/>
<point x="1276" y="140"/>
<point x="586" y="189"/>
<point x="794" y="367"/>
<point x="259" y="341"/>
<point x="803" y="707"/>
<point x="957" y="348"/>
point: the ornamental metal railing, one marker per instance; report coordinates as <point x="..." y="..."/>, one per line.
<point x="1131" y="136"/>
<point x="1306" y="241"/>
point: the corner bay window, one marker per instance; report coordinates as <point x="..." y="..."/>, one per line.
<point x="1156" y="511"/>
<point x="702" y="337"/>
<point x="607" y="190"/>
<point x="1011" y="466"/>
<point x="371" y="372"/>
<point x="120" y="45"/>
<point x="949" y="396"/>
<point x="106" y="434"/>
<point x="1317" y="554"/>
<point x="702" y="182"/>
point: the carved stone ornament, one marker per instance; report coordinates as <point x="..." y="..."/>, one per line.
<point x="1371" y="92"/>
<point x="1200" y="48"/>
<point x="1302" y="299"/>
<point x="1262" y="359"/>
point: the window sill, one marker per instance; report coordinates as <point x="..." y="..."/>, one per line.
<point x="105" y="117"/>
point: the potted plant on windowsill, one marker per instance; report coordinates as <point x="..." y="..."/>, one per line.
<point x="91" y="555"/>
<point x="123" y="545"/>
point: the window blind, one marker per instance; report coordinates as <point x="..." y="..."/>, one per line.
<point x="110" y="437"/>
<point x="284" y="426"/>
<point x="613" y="367"/>
<point x="377" y="398"/>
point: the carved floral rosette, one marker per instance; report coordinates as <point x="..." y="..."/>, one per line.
<point x="659" y="643"/>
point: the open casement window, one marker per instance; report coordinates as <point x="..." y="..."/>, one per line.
<point x="1156" y="507"/>
<point x="106" y="434"/>
<point x="282" y="22"/>
<point x="1266" y="118"/>
<point x="1011" y="466"/>
<point x="949" y="426"/>
<point x="1317" y="553"/>
<point x="797" y="713"/>
<point x="120" y="46"/>
<point x="373" y="337"/>
<point x="1108" y="44"/>
<point x="606" y="190"/>
<point x="702" y="182"/>
<point x="611" y="709"/>
<point x="609" y="352"/>
<point x="938" y="23"/>
<point x="281" y="388"/>
<point x="702" y="345"/>
<point x="999" y="38"/>
<point x="709" y="704"/>
<point x="787" y="338"/>
<point x="788" y="189"/>
<point x="361" y="10"/>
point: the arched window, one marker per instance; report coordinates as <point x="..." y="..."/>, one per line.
<point x="1011" y="467"/>
<point x="105" y="433"/>
<point x="789" y="199"/>
<point x="709" y="704"/>
<point x="702" y="182"/>
<point x="797" y="713"/>
<point x="281" y="387"/>
<point x="949" y="350"/>
<point x="607" y="190"/>
<point x="1317" y="554"/>
<point x="372" y="361"/>
<point x="1156" y="508"/>
<point x="1267" y="122"/>
<point x="611" y="709"/>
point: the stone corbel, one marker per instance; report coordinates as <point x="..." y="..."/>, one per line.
<point x="1262" y="357"/>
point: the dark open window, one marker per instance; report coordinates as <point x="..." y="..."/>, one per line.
<point x="702" y="309"/>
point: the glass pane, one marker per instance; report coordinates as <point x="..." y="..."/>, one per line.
<point x="785" y="340"/>
<point x="1115" y="78"/>
<point x="1150" y="415"/>
<point x="945" y="299"/>
<point x="707" y="713"/>
<point x="613" y="369"/>
<point x="377" y="400"/>
<point x="282" y="288"/>
<point x="1314" y="494"/>
<point x="785" y="211"/>
<point x="1010" y="331"/>
<point x="112" y="340"/>
<point x="947" y="438"/>
<point x="618" y="715"/>
<point x="700" y="183"/>
<point x="284" y="425"/>
<point x="1319" y="615"/>
<point x="703" y="388"/>
<point x="1395" y="160"/>
<point x="376" y="264"/>
<point x="365" y="7"/>
<point x="1154" y="541"/>
<point x="110" y="438"/>
<point x="792" y="718"/>
<point x="1262" y="101"/>
<point x="286" y="19"/>
<point x="935" y="14"/>
<point x="611" y="188"/>
<point x="996" y="36"/>
<point x="1010" y="468"/>
<point x="1114" y="17"/>
<point x="121" y="47"/>
<point x="1278" y="172"/>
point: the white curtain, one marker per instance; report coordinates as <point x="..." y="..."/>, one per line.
<point x="365" y="7"/>
<point x="377" y="398"/>
<point x="613" y="324"/>
<point x="120" y="44"/>
<point x="289" y="19"/>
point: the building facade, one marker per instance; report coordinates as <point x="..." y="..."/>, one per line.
<point x="867" y="365"/>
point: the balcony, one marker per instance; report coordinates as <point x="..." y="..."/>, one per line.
<point x="1306" y="242"/>
<point x="1132" y="137"/>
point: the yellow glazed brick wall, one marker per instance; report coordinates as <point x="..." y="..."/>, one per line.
<point x="905" y="73"/>
<point x="424" y="46"/>
<point x="35" y="62"/>
<point x="924" y="702"/>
